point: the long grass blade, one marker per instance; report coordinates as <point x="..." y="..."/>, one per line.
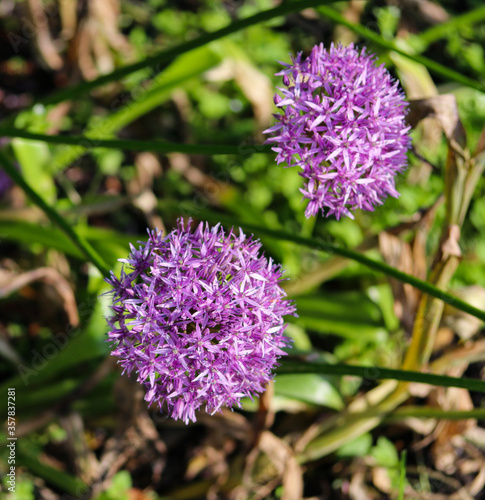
<point x="402" y="475"/>
<point x="163" y="58"/>
<point x="376" y="39"/>
<point x="442" y="30"/>
<point x="437" y="413"/>
<point x="128" y="144"/>
<point x="324" y="246"/>
<point x="379" y="373"/>
<point x="87" y="250"/>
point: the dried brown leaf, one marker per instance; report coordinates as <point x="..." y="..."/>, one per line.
<point x="358" y="489"/>
<point x="465" y="325"/>
<point x="11" y="282"/>
<point x="445" y="109"/>
<point x="254" y="84"/>
<point x="398" y="254"/>
<point x="282" y="456"/>
<point x="480" y="148"/>
<point x="424" y="10"/>
<point x="450" y="245"/>
<point x="381" y="479"/>
<point x="409" y="257"/>
<point x="448" y="435"/>
<point x="45" y="43"/>
<point x="472" y="352"/>
<point x="98" y="37"/>
<point x="140" y="188"/>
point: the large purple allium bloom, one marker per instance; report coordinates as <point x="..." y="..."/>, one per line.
<point x="199" y="318"/>
<point x="343" y="125"/>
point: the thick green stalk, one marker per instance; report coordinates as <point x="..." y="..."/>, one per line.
<point x="428" y="318"/>
<point x="457" y="170"/>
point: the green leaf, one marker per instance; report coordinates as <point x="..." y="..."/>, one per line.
<point x="24" y="488"/>
<point x="385" y="453"/>
<point x="34" y="157"/>
<point x="47" y="236"/>
<point x="54" y="215"/>
<point x="110" y="245"/>
<point x="301" y="341"/>
<point x="309" y="388"/>
<point x="350" y="315"/>
<point x="27" y="457"/>
<point x="118" y="490"/>
<point x="427" y="412"/>
<point x="35" y="398"/>
<point x="358" y="447"/>
<point x="66" y="349"/>
<point x="402" y="475"/>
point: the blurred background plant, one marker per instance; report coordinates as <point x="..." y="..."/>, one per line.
<point x="84" y="431"/>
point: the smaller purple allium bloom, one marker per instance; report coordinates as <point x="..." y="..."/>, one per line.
<point x="5" y="183"/>
<point x="344" y="126"/>
<point x="199" y="318"/>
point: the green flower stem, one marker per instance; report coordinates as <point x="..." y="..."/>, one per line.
<point x="378" y="373"/>
<point x="428" y="318"/>
<point x="54" y="216"/>
<point x="458" y="193"/>
<point x="323" y="246"/>
<point x="373" y="37"/>
<point x="473" y="175"/>
<point x="127" y="145"/>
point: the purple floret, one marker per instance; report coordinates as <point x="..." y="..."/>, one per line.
<point x="5" y="182"/>
<point x="344" y="125"/>
<point x="199" y="318"/>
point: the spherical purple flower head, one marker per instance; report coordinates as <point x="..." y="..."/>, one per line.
<point x="343" y="125"/>
<point x="199" y="318"/>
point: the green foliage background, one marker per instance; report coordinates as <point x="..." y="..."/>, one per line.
<point x="201" y="112"/>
